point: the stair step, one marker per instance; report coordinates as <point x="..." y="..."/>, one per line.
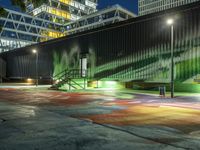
<point x="72" y="78"/>
<point x="53" y="88"/>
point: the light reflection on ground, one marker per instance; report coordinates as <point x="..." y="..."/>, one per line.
<point x="137" y="109"/>
<point x="122" y="109"/>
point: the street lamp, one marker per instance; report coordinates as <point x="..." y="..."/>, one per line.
<point x="36" y="66"/>
<point x="170" y="22"/>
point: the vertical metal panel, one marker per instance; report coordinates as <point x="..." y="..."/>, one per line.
<point x="138" y="50"/>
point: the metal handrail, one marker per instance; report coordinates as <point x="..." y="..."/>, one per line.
<point x="73" y="73"/>
<point x="68" y="76"/>
<point x="59" y="73"/>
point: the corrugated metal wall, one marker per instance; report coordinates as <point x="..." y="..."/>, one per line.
<point x="2" y="68"/>
<point x="138" y="49"/>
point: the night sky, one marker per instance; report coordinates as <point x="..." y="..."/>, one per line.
<point x="129" y="4"/>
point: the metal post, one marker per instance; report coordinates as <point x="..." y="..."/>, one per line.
<point x="69" y="84"/>
<point x="172" y="62"/>
<point x="84" y="84"/>
<point x="36" y="68"/>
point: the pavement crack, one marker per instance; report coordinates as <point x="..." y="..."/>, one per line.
<point x="140" y="136"/>
<point x="137" y="135"/>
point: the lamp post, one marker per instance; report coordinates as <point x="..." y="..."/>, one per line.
<point x="36" y="66"/>
<point x="170" y="22"/>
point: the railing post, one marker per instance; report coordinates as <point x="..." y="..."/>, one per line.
<point x="84" y="84"/>
<point x="69" y="84"/>
<point x="65" y="73"/>
<point x="52" y="80"/>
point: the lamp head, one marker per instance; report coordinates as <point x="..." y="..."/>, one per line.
<point x="34" y="51"/>
<point x="170" y="21"/>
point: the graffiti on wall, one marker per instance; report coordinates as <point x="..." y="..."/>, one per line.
<point x="66" y="60"/>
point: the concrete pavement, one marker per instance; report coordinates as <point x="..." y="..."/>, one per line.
<point x="39" y="119"/>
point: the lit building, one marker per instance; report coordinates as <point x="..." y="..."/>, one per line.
<point x="54" y="19"/>
<point x="100" y="18"/>
<point x="152" y="6"/>
<point x="19" y="30"/>
<point x="63" y="11"/>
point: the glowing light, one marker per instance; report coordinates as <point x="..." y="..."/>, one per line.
<point x="59" y="13"/>
<point x="34" y="51"/>
<point x="170" y="21"/>
<point x="109" y="84"/>
<point x="29" y="80"/>
<point x="93" y="84"/>
<point x="65" y="1"/>
<point x="51" y="34"/>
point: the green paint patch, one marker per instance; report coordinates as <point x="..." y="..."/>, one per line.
<point x="192" y="68"/>
<point x="66" y="60"/>
<point x="195" y="88"/>
<point x="106" y="84"/>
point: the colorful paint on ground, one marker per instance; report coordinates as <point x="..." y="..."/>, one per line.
<point x="182" y="114"/>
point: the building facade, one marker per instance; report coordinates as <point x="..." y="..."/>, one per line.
<point x="100" y="18"/>
<point x="135" y="50"/>
<point x="62" y="11"/>
<point x="151" y="6"/>
<point x="19" y="30"/>
<point x="42" y="22"/>
<point x="54" y="19"/>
